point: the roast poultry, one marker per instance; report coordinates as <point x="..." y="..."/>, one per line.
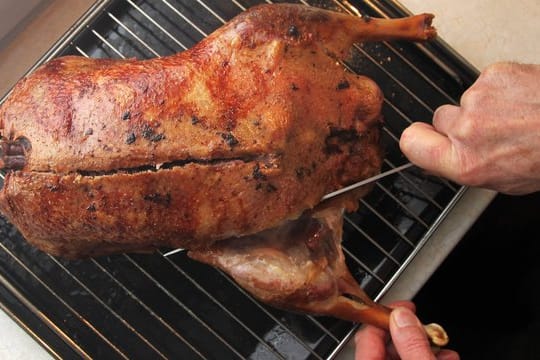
<point x="224" y="149"/>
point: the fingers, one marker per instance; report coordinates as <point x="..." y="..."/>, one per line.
<point x="408" y="336"/>
<point x="371" y="343"/>
<point x="445" y="117"/>
<point x="403" y="303"/>
<point x="427" y="148"/>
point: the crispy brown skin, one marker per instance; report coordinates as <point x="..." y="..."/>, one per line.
<point x="249" y="128"/>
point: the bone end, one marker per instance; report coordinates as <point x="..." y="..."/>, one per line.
<point x="430" y="32"/>
<point x="436" y="334"/>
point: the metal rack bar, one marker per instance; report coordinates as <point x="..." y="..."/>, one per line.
<point x="149" y="309"/>
<point x="183" y="17"/>
<point x="108" y="308"/>
<point x="135" y="36"/>
<point x="221" y="306"/>
<point x="371" y="240"/>
<point x="383" y="219"/>
<point x="364" y="266"/>
<point x="266" y="312"/>
<point x="48" y="322"/>
<point x="161" y="28"/>
<point x="402" y="205"/>
<point x="183" y="306"/>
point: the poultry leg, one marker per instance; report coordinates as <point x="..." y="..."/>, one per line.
<point x="300" y="266"/>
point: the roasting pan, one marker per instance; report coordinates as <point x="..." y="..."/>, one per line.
<point x="157" y="306"/>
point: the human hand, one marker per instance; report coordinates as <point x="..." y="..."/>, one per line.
<point x="492" y="139"/>
<point x="409" y="340"/>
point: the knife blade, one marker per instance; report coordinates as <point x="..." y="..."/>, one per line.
<point x="366" y="181"/>
<point x="339" y="192"/>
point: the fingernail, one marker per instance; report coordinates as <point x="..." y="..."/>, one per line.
<point x="403" y="317"/>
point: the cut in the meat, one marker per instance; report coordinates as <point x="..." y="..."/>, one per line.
<point x="249" y="128"/>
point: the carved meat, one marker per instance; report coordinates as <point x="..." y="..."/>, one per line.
<point x="300" y="266"/>
<point x="242" y="133"/>
<point x="297" y="266"/>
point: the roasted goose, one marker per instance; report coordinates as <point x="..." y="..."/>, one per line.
<point x="216" y="149"/>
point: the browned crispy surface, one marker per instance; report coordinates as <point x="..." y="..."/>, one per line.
<point x="249" y="128"/>
<point x="298" y="266"/>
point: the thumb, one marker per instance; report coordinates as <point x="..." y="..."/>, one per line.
<point x="408" y="336"/>
<point x="427" y="148"/>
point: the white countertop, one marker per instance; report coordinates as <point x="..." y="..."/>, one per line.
<point x="482" y="31"/>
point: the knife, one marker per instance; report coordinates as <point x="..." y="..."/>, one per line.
<point x="366" y="181"/>
<point x="340" y="191"/>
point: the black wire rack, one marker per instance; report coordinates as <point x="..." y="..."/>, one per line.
<point x="157" y="306"/>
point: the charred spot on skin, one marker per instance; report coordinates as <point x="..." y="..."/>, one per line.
<point x="13" y="152"/>
<point x="339" y="137"/>
<point x="195" y="120"/>
<point x="91" y="208"/>
<point x="126" y="115"/>
<point x="89" y="132"/>
<point x="157" y="137"/>
<point x="293" y="31"/>
<point x="270" y="188"/>
<point x="24" y="143"/>
<point x="130" y="139"/>
<point x="18" y="147"/>
<point x="160" y="199"/>
<point x="302" y="172"/>
<point x="229" y="139"/>
<point x="52" y="187"/>
<point x="343" y="84"/>
<point x="257" y="174"/>
<point x="294" y="87"/>
<point x="149" y="133"/>
<point x="14" y="162"/>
